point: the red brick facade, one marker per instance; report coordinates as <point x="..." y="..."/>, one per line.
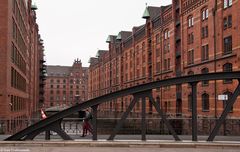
<point x="20" y="53"/>
<point x="187" y="37"/>
<point x="65" y="85"/>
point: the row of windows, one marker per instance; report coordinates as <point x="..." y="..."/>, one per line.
<point x="17" y="59"/>
<point x="18" y="16"/>
<point x="227" y="23"/>
<point x="227" y="67"/>
<point x="205" y="13"/>
<point x="64" y="92"/>
<point x="131" y="76"/>
<point x="64" y="86"/>
<point x="18" y="38"/>
<point x="205" y="51"/>
<point x="204" y="34"/>
<point x="58" y="98"/>
<point x="17" y="103"/>
<point x="167" y="104"/>
<point x="205" y="101"/>
<point x="72" y="81"/>
<point x="166" y="36"/>
<point x="17" y="81"/>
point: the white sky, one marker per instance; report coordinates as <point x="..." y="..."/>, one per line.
<point x="78" y="28"/>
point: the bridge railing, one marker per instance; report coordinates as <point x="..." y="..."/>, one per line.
<point x="132" y="126"/>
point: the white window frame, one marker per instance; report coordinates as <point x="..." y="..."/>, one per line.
<point x="230" y="3"/>
<point x="225" y="4"/>
<point x="203" y="15"/>
<point x="206" y="13"/>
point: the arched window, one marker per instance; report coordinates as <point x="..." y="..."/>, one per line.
<point x="227" y="68"/>
<point x="205" y="71"/>
<point x="166" y="34"/>
<point x="229" y="95"/>
<point x="205" y="102"/>
<point x="204" y="13"/>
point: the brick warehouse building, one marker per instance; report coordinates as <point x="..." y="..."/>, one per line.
<point x="66" y="85"/>
<point x="21" y="60"/>
<point x="187" y="37"/>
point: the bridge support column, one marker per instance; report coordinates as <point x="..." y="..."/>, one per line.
<point x="194" y="111"/>
<point x="225" y="112"/>
<point x="94" y="132"/>
<point x="125" y="114"/>
<point x="144" y="118"/>
<point x="163" y="116"/>
<point x="47" y="135"/>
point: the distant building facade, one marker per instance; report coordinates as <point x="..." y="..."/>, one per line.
<point x="184" y="38"/>
<point x="66" y="85"/>
<point x="21" y="59"/>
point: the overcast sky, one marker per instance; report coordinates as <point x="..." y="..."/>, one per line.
<point x="78" y="28"/>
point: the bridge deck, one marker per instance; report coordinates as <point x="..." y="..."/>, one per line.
<point x="106" y="146"/>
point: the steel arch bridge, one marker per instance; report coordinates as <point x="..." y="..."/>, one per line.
<point x="143" y="91"/>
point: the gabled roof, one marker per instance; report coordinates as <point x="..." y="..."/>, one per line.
<point x="93" y="60"/>
<point x="101" y="52"/>
<point x="56" y="70"/>
<point x="111" y="38"/>
<point x="153" y="12"/>
<point x="123" y="35"/>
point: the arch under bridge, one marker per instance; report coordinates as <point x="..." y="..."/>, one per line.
<point x="140" y="92"/>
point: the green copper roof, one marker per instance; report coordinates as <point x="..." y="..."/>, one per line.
<point x="119" y="37"/>
<point x="108" y="39"/>
<point x="34" y="6"/>
<point x="146" y="13"/>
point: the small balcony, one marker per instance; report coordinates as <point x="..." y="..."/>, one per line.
<point x="178" y="95"/>
<point x="178" y="38"/>
<point x="177" y="22"/>
<point x="42" y="84"/>
<point x="177" y="7"/>
<point x="178" y="73"/>
<point x="41" y="92"/>
<point x="178" y="53"/>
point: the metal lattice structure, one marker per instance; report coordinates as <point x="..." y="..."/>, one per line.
<point x="53" y="123"/>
